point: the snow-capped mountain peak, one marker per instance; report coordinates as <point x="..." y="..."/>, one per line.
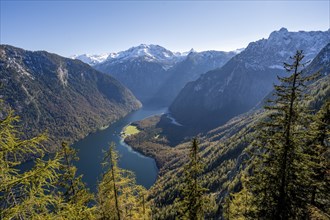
<point x="282" y="44"/>
<point x="92" y="59"/>
<point x="145" y="52"/>
<point x="151" y="52"/>
<point x="148" y="52"/>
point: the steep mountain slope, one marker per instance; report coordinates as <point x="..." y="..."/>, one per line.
<point x="66" y="97"/>
<point x="156" y="75"/>
<point x="142" y="69"/>
<point x="224" y="149"/>
<point x="241" y="83"/>
<point x="188" y="70"/>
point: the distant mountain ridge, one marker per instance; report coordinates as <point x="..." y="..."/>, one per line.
<point x="64" y="96"/>
<point x="149" y="70"/>
<point x="190" y="69"/>
<point x="91" y="59"/>
<point x="150" y="52"/>
<point x="226" y="149"/>
<point x="243" y="81"/>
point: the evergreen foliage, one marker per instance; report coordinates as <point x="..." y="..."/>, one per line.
<point x="319" y="151"/>
<point x="52" y="190"/>
<point x="281" y="175"/>
<point x="289" y="172"/>
<point x="194" y="202"/>
<point x="287" y="178"/>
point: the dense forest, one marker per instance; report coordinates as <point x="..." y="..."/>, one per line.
<point x="284" y="174"/>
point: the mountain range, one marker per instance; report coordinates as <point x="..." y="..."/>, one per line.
<point x="154" y="74"/>
<point x="217" y="96"/>
<point x="243" y="81"/>
<point x="208" y="88"/>
<point x="226" y="149"/>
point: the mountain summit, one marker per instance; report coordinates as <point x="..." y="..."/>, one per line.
<point x="241" y="83"/>
<point x="149" y="52"/>
<point x="149" y="70"/>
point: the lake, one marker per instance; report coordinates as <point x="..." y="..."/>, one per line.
<point x="91" y="152"/>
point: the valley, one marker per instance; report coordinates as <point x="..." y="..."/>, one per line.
<point x="91" y="152"/>
<point x="151" y="103"/>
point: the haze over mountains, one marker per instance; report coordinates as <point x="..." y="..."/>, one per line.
<point x="213" y="94"/>
<point x="241" y="83"/>
<point x="227" y="148"/>
<point x="202" y="89"/>
<point x="237" y="80"/>
<point x="154" y="74"/>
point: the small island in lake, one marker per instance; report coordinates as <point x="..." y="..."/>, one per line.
<point x="129" y="130"/>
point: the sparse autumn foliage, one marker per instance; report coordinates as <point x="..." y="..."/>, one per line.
<point x="25" y="195"/>
<point x="119" y="197"/>
<point x="76" y="198"/>
<point x="36" y="193"/>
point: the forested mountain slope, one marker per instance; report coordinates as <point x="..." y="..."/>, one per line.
<point x="225" y="149"/>
<point x="242" y="82"/>
<point x="65" y="97"/>
<point x="190" y="69"/>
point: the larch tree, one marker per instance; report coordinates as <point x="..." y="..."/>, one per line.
<point x="76" y="198"/>
<point x="25" y="194"/>
<point x="119" y="197"/>
<point x="239" y="205"/>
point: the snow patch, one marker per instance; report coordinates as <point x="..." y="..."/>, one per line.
<point x="93" y="59"/>
<point x="173" y="121"/>
<point x="276" y="67"/>
<point x="237" y="51"/>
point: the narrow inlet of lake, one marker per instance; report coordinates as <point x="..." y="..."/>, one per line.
<point x="91" y="155"/>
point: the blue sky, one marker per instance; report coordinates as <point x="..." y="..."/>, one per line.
<point x="76" y="27"/>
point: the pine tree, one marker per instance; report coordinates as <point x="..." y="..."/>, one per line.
<point x="119" y="197"/>
<point x="193" y="205"/>
<point x="281" y="175"/>
<point x="319" y="146"/>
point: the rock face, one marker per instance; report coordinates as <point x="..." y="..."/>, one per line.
<point x="66" y="97"/>
<point x="241" y="83"/>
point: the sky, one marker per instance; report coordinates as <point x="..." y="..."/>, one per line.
<point x="95" y="27"/>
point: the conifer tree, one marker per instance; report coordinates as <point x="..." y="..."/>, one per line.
<point x="281" y="175"/>
<point x="25" y="195"/>
<point x="193" y="205"/>
<point x="76" y="197"/>
<point x="239" y="205"/>
<point x="319" y="151"/>
<point x="119" y="197"/>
